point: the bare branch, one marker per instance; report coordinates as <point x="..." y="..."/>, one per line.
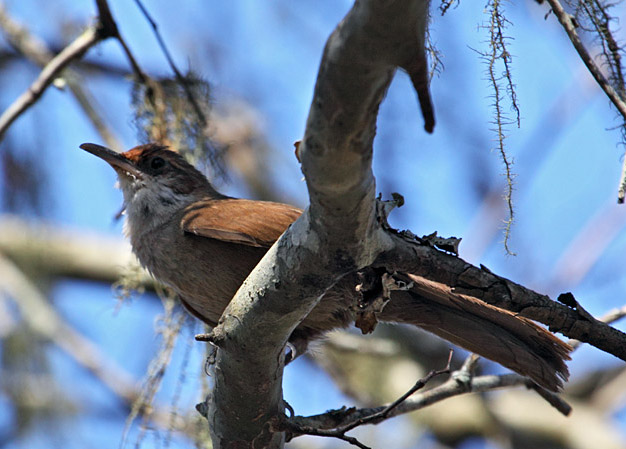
<point x="610" y="317"/>
<point x="37" y="51"/>
<point x="568" y="24"/>
<point x="62" y="254"/>
<point x="109" y="28"/>
<point x="55" y="252"/>
<point x="335" y="423"/>
<point x="597" y="12"/>
<point x="105" y="28"/>
<point x="566" y="21"/>
<point x="179" y="76"/>
<point x="77" y="254"/>
<point x="75" y="50"/>
<point x="375" y="417"/>
<point x="613" y="315"/>
<point x="336" y="235"/>
<point x="27" y="44"/>
<point x="464" y="278"/>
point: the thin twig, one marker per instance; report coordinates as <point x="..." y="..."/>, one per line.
<point x="597" y="14"/>
<point x="109" y="28"/>
<point x="377" y="415"/>
<point x="179" y="76"/>
<point x="497" y="24"/>
<point x="51" y="71"/>
<point x="446" y="4"/>
<point x="613" y="315"/>
<point x="566" y="20"/>
<point x="105" y="28"/>
<point x="37" y="51"/>
<point x="384" y="413"/>
<point x="457" y="385"/>
<point x="335" y="423"/>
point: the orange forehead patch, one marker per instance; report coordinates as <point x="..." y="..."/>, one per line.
<point x="133" y="155"/>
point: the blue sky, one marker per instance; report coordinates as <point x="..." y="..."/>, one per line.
<point x="567" y="158"/>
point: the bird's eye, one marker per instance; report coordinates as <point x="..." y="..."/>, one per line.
<point x="157" y="163"/>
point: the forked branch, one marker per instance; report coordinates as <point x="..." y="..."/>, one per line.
<point x="337" y="234"/>
<point x="104" y="29"/>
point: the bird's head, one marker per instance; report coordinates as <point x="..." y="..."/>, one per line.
<point x="155" y="181"/>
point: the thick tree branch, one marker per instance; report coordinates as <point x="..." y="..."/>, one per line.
<point x="336" y="235"/>
<point x="464" y="278"/>
<point x="57" y="253"/>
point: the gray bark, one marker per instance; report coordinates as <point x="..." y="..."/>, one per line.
<point x="337" y="234"/>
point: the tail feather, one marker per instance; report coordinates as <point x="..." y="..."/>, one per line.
<point x="497" y="334"/>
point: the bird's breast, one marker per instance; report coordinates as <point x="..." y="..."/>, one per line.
<point x="205" y="272"/>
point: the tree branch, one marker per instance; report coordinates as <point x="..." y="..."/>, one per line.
<point x="570" y="28"/>
<point x="55" y="252"/>
<point x="36" y="50"/>
<point x="335" y="423"/>
<point x="184" y="82"/>
<point x="58" y="253"/>
<point x="51" y="71"/>
<point x="409" y="256"/>
<point x="43" y="320"/>
<point x="610" y="317"/>
<point x="337" y="234"/>
<point x="108" y="28"/>
<point x="566" y="20"/>
<point x="105" y="28"/>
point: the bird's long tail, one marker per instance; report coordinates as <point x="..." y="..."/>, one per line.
<point x="497" y="334"/>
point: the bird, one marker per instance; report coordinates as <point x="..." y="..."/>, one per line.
<point x="203" y="244"/>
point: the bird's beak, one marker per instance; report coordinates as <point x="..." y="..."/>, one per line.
<point x="116" y="160"/>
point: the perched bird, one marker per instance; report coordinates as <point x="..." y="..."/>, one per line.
<point x="204" y="244"/>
